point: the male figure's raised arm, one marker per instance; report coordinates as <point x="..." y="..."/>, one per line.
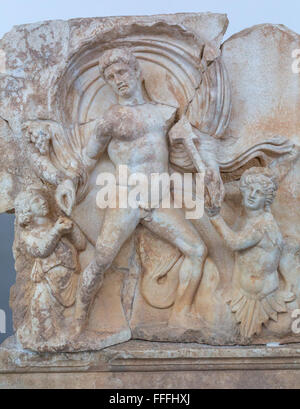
<point x="98" y="141"/>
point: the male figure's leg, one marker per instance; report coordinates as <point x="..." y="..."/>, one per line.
<point x="118" y="225"/>
<point x="171" y="225"/>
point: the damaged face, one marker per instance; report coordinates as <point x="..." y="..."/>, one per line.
<point x="39" y="206"/>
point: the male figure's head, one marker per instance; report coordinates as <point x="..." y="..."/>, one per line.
<point x="258" y="189"/>
<point x="120" y="69"/>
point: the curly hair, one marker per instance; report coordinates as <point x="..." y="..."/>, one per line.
<point x="23" y="205"/>
<point x="266" y="180"/>
<point x="116" y="55"/>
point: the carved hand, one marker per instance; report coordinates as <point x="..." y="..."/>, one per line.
<point x="63" y="225"/>
<point x="215" y="188"/>
<point x="294" y="153"/>
<point x="212" y="211"/>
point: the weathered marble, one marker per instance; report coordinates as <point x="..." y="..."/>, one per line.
<point x="84" y="98"/>
<point x="139" y="364"/>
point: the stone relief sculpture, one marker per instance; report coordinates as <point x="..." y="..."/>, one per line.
<point x="41" y="137"/>
<point x="258" y="245"/>
<point x="157" y="95"/>
<point x="132" y="131"/>
<point x="55" y="272"/>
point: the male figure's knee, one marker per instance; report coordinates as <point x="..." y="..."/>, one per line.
<point x="198" y="251"/>
<point x="103" y="258"/>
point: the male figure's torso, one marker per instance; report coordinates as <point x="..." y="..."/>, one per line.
<point x="139" y="137"/>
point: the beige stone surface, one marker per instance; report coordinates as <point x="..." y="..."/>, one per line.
<point x="285" y="379"/>
<point x="84" y="98"/>
<point x="138" y="364"/>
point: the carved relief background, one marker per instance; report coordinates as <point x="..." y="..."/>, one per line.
<point x="237" y="102"/>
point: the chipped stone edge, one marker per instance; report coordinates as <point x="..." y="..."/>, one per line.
<point x="145" y="356"/>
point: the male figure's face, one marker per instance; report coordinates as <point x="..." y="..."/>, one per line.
<point x="122" y="78"/>
<point x="253" y="196"/>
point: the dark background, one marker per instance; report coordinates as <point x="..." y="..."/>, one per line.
<point x="7" y="270"/>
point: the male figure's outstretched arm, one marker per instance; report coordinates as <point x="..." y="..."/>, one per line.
<point x="201" y="149"/>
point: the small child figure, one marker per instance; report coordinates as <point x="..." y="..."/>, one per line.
<point x="258" y="245"/>
<point x="39" y="135"/>
<point x="56" y="267"/>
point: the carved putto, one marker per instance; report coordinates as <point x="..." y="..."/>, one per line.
<point x="54" y="275"/>
<point x="258" y="246"/>
<point x="122" y="102"/>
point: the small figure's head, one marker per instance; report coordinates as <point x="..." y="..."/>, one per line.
<point x="120" y="69"/>
<point x="258" y="188"/>
<point x="30" y="204"/>
<point x="38" y="134"/>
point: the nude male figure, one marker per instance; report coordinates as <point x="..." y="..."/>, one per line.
<point x="134" y="132"/>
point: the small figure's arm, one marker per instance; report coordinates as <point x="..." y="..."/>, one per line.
<point x="44" y="244"/>
<point x="237" y="241"/>
<point x="44" y="168"/>
<point x="77" y="238"/>
<point x="38" y="135"/>
<point x="282" y="165"/>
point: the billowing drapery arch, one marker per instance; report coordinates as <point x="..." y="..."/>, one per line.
<point x="174" y="71"/>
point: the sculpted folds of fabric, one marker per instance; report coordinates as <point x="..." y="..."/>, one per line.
<point x="88" y="100"/>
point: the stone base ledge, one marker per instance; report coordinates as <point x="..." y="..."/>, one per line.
<point x="142" y="364"/>
<point x="141" y="356"/>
